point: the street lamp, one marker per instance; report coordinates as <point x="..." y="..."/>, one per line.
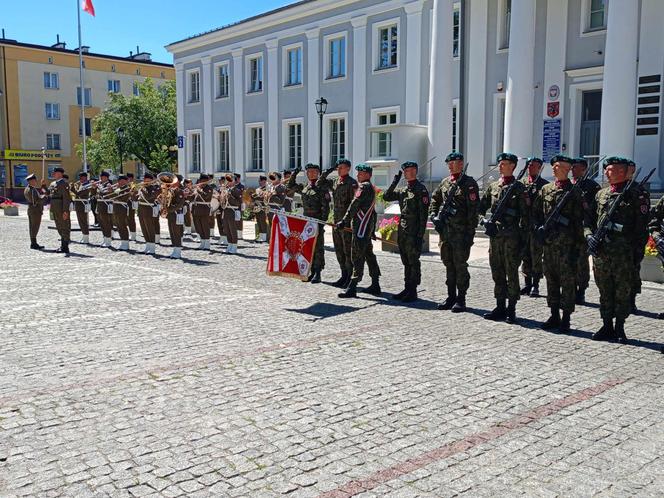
<point x="321" y="109"/>
<point x="120" y="135"/>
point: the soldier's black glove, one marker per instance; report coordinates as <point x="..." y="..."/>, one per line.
<point x="593" y="245"/>
<point x="659" y="244"/>
<point x="540" y="234"/>
<point x="397" y="177"/>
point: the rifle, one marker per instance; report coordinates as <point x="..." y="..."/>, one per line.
<point x="600" y="235"/>
<point x="446" y="210"/>
<point x="659" y="244"/>
<point x="491" y="225"/>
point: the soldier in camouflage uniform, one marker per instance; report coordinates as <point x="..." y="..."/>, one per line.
<point x="456" y="229"/>
<point x="505" y="246"/>
<point x="343" y="189"/>
<point x="361" y="218"/>
<point x="614" y="264"/>
<point x="589" y="189"/>
<point x="316" y="204"/>
<point x="656" y="227"/>
<point x="531" y="266"/>
<point x="60" y="200"/>
<point x="640" y="242"/>
<point x="561" y="243"/>
<point x="414" y="207"/>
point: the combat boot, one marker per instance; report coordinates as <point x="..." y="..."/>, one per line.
<point x="64" y="247"/>
<point x="451" y="298"/>
<point x="401" y="294"/>
<point x="34" y="245"/>
<point x="660" y="316"/>
<point x="374" y="288"/>
<point x="525" y="291"/>
<point x="342" y="279"/>
<point x="315" y="278"/>
<point x="460" y="304"/>
<point x="606" y="333"/>
<point x="351" y="291"/>
<point x="411" y="295"/>
<point x="498" y="313"/>
<point x="580" y="296"/>
<point x="633" y="303"/>
<point x="565" y="325"/>
<point x="554" y="320"/>
<point x="620" y="331"/>
<point x="511" y="311"/>
<point x="534" y="292"/>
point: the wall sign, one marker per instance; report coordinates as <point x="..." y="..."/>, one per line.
<point x="554" y="92"/>
<point x="550" y="139"/>
<point x="553" y="109"/>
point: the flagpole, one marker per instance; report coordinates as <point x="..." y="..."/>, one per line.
<point x="80" y="70"/>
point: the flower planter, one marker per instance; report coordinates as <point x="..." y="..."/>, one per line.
<point x="10" y="211"/>
<point x="395" y="248"/>
<point x="651" y="270"/>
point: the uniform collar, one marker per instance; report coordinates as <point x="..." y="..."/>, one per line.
<point x="455" y="176"/>
<point x="563" y="183"/>
<point x="506" y="180"/>
<point x="412" y="182"/>
<point x="618" y="187"/>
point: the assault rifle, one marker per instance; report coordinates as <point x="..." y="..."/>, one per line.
<point x="659" y="244"/>
<point x="491" y="225"/>
<point x="446" y="211"/>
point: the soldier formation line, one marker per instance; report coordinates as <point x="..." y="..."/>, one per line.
<point x="549" y="229"/>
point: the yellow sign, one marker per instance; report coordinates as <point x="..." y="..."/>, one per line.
<point x="31" y="155"/>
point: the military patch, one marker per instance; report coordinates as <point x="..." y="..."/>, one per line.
<point x="644" y="209"/>
<point x="358" y="192"/>
<point x="473" y="196"/>
<point x="425" y="199"/>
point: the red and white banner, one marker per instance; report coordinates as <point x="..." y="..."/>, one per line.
<point x="292" y="244"/>
<point x="87" y="6"/>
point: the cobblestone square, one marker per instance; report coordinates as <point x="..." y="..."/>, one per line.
<point x="132" y="375"/>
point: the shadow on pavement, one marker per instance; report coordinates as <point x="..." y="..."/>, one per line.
<point x="320" y="311"/>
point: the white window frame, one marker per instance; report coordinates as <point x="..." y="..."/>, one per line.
<point x="375" y="115"/>
<point x="81" y="126"/>
<point x="217" y="148"/>
<point x="217" y="82"/>
<point x="502" y="33"/>
<point x="190" y="72"/>
<point x="326" y="136"/>
<point x="455" y="124"/>
<point x="285" y="142"/>
<point x="376" y="28"/>
<point x="286" y="65"/>
<point x="327" y="43"/>
<point x="86" y="90"/>
<point x="575" y="92"/>
<point x="585" y="19"/>
<point x="248" y="148"/>
<point x="190" y="151"/>
<point x="457" y="9"/>
<point x="497" y="98"/>
<point x="51" y="75"/>
<point x="248" y="60"/>
<point x="113" y="86"/>
<point x="55" y="116"/>
<point x="53" y="141"/>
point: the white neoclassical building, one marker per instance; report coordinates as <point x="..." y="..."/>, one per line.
<point x="414" y="79"/>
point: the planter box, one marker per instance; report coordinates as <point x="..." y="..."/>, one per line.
<point x="10" y="211"/>
<point x="395" y="248"/>
<point x="651" y="270"/>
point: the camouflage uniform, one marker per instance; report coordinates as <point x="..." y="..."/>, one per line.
<point x="589" y="189"/>
<point x="656" y="227"/>
<point x="638" y="248"/>
<point x="531" y="266"/>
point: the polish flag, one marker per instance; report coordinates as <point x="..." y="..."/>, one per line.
<point x="88" y="7"/>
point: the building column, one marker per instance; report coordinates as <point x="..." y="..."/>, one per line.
<point x="272" y="128"/>
<point x="238" y="111"/>
<point x="313" y="87"/>
<point x="476" y="91"/>
<point x="180" y="95"/>
<point x="413" y="60"/>
<point x="359" y="74"/>
<point x="440" y="84"/>
<point x="520" y="95"/>
<point x="206" y="100"/>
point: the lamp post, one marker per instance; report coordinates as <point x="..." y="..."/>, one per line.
<point x="321" y="109"/>
<point x="120" y="135"/>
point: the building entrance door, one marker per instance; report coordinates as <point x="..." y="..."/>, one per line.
<point x="591" y="114"/>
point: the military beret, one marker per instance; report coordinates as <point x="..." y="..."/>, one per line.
<point x="122" y="177"/>
<point x="312" y="166"/>
<point x="130" y="175"/>
<point x="179" y="177"/>
<point x="561" y="158"/>
<point x="615" y="160"/>
<point x="274" y="174"/>
<point x="288" y="172"/>
<point x="58" y="170"/>
<point x="454" y="156"/>
<point x="82" y="173"/>
<point x="237" y="175"/>
<point x="507" y="156"/>
<point x="262" y="178"/>
<point x="343" y="161"/>
<point x="534" y="159"/>
<point x="201" y="177"/>
<point x="409" y="164"/>
<point x="364" y="167"/>
<point x="148" y="175"/>
<point x="580" y="160"/>
<point x="104" y="174"/>
<point x="631" y="164"/>
<point x="30" y="177"/>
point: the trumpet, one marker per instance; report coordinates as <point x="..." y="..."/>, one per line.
<point x="168" y="182"/>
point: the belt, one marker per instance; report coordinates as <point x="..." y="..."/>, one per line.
<point x="146" y="204"/>
<point x="201" y="203"/>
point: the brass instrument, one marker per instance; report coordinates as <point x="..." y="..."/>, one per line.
<point x="168" y="182"/>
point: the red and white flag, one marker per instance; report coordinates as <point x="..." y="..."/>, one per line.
<point x="292" y="244"/>
<point x="87" y="6"/>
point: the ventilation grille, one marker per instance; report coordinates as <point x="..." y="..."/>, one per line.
<point x="649" y="105"/>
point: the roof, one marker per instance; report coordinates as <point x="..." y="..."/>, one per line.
<point x="6" y="41"/>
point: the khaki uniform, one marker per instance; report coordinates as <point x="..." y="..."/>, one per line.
<point x="259" y="211"/>
<point x="230" y="212"/>
<point x="175" y="210"/>
<point x="200" y="210"/>
<point x="121" y="204"/>
<point x="105" y="208"/>
<point x="35" y="197"/>
<point x="148" y="210"/>
<point x="532" y="249"/>
<point x="276" y="201"/>
<point x="60" y="202"/>
<point x="81" y="193"/>
<point x="239" y="224"/>
<point x="131" y="212"/>
<point x="589" y="189"/>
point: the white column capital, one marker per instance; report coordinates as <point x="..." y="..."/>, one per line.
<point x="236" y="52"/>
<point x="413" y="61"/>
<point x="207" y="60"/>
<point x="414" y="7"/>
<point x="179" y="67"/>
<point x="312" y="33"/>
<point x="272" y="43"/>
<point x="359" y="21"/>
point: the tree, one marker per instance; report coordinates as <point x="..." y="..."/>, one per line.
<point x="150" y="130"/>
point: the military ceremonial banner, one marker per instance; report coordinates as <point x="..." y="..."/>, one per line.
<point x="292" y="244"/>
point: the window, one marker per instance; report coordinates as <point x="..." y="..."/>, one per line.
<point x="87" y="95"/>
<point x="255" y="74"/>
<point x="498" y="123"/>
<point x="337" y="139"/>
<point x="195" y="88"/>
<point x="88" y="127"/>
<point x="388" y="46"/>
<point x="336" y="57"/>
<point x="52" y="111"/>
<point x="294" y="66"/>
<point x="136" y="90"/>
<point x="51" y="81"/>
<point x="114" y="86"/>
<point x="256" y="148"/>
<point x="381" y="140"/>
<point x="597" y="15"/>
<point x="53" y="141"/>
<point x="223" y="149"/>
<point x="455" y="33"/>
<point x="294" y="133"/>
<point x="222" y="81"/>
<point x="195" y="152"/>
<point x="504" y="20"/>
<point x="454" y="128"/>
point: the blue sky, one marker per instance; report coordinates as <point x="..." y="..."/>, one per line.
<point x="120" y="25"/>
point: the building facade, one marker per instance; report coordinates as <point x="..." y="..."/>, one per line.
<point x="40" y="103"/>
<point x="537" y="77"/>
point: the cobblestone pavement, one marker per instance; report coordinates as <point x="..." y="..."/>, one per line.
<point x="129" y="375"/>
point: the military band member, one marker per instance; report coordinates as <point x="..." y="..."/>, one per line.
<point x="656" y="227"/>
<point x="35" y="196"/>
<point x="175" y="219"/>
<point x="290" y="193"/>
<point x="505" y="247"/>
<point x="343" y="190"/>
<point x="132" y="205"/>
<point x="232" y="213"/>
<point x="276" y="196"/>
<point x="60" y="201"/>
<point x="121" y="203"/>
<point x="219" y="215"/>
<point x="200" y="209"/>
<point x="613" y="266"/>
<point x="259" y="198"/>
<point x="561" y="243"/>
<point x="148" y="210"/>
<point x="81" y="192"/>
<point x="589" y="189"/>
<point x="414" y="208"/>
<point x="105" y="208"/>
<point x="316" y="204"/>
<point x="531" y="266"/>
<point x="239" y="224"/>
<point x="361" y="218"/>
<point x="188" y="221"/>
<point x="639" y="242"/>
<point x="456" y="229"/>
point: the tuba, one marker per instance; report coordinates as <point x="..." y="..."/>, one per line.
<point x="168" y="182"/>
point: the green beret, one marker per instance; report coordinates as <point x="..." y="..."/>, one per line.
<point x="615" y="160"/>
<point x="409" y="164"/>
<point x="104" y="174"/>
<point x="507" y="156"/>
<point x="364" y="167"/>
<point x="454" y="156"/>
<point x="59" y="169"/>
<point x="534" y="159"/>
<point x="343" y="161"/>
<point x="631" y="164"/>
<point x="312" y="166"/>
<point x="580" y="160"/>
<point x="561" y="158"/>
